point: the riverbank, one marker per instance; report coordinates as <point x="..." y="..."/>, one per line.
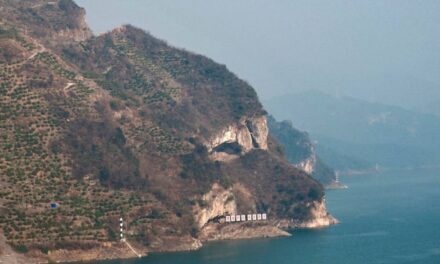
<point x="212" y="232"/>
<point x="387" y="218"/>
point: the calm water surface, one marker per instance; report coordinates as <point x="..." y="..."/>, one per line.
<point x="391" y="217"/>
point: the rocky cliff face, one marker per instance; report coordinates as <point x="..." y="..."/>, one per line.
<point x="124" y="125"/>
<point x="301" y="152"/>
<point x="75" y="30"/>
<point x="216" y="203"/>
<point x="239" y="138"/>
<point x="53" y="22"/>
<point x="308" y="165"/>
<point x="320" y="216"/>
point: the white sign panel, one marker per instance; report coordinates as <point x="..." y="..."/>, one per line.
<point x="240" y="218"/>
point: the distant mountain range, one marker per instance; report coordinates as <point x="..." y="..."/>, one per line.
<point x="352" y="133"/>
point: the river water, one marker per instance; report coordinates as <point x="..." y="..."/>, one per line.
<point x="389" y="217"/>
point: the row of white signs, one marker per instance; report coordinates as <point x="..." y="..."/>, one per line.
<point x="249" y="217"/>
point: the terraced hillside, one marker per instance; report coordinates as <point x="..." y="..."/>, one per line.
<point x="40" y="97"/>
<point x="124" y="125"/>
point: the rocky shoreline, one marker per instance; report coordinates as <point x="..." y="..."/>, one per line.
<point x="244" y="230"/>
<point x="211" y="232"/>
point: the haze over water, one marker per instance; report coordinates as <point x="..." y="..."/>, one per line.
<point x="391" y="217"/>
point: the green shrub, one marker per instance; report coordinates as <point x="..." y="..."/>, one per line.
<point x="21" y="249"/>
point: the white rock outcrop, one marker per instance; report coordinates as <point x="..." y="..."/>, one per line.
<point x="217" y="202"/>
<point x="308" y="165"/>
<point x="320" y="217"/>
<point x="247" y="134"/>
<point x="259" y="131"/>
<point x="236" y="133"/>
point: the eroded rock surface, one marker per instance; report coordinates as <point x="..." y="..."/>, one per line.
<point x="239" y="138"/>
<point x="216" y="203"/>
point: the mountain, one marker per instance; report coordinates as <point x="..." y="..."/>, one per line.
<point x="367" y="133"/>
<point x="95" y="129"/>
<point x="300" y="151"/>
<point x="432" y="107"/>
<point x="342" y="161"/>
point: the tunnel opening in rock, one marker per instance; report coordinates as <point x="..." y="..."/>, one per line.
<point x="229" y="148"/>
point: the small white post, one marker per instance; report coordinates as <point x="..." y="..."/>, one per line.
<point x="121" y="224"/>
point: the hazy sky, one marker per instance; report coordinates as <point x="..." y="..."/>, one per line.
<point x="377" y="50"/>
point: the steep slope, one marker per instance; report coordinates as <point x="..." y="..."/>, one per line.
<point x="300" y="151"/>
<point x="94" y="128"/>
